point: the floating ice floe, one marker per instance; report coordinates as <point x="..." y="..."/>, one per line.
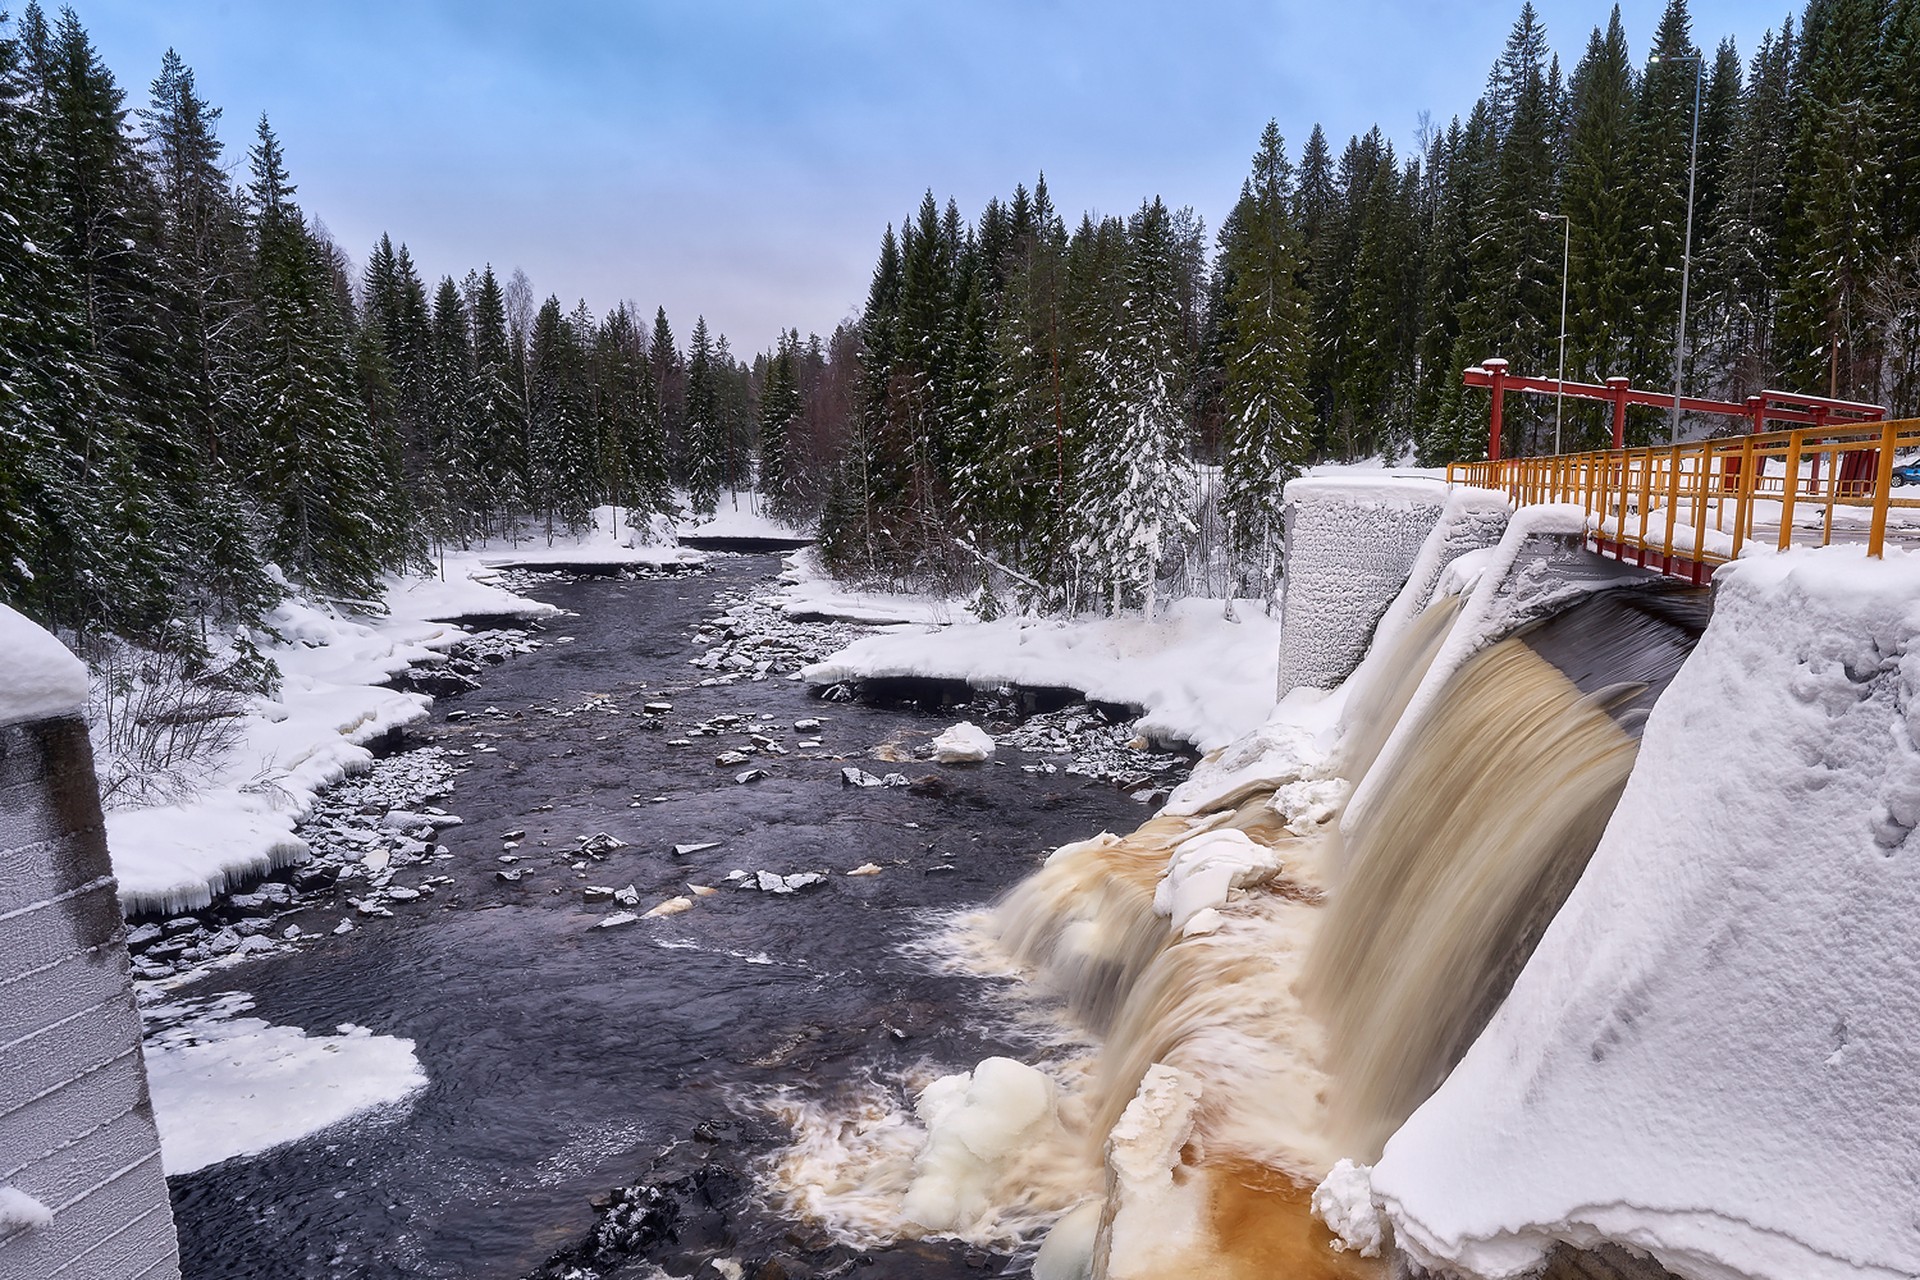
<point x="226" y="1086"/>
<point x="964" y="743"/>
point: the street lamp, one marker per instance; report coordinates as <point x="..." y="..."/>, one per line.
<point x="1560" y="378"/>
<point x="1686" y="252"/>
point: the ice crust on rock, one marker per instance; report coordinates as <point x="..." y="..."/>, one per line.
<point x="1205" y="869"/>
<point x="964" y="743"/>
<point x="1152" y="1210"/>
<point x="39" y="679"/>
<point x="1344" y="1201"/>
<point x="978" y="1124"/>
<point x="1709" y="1059"/>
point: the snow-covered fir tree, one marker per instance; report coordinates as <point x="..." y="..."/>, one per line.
<point x="1267" y="422"/>
<point x="705" y="430"/>
<point x="1136" y="490"/>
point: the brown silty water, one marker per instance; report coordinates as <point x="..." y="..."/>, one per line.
<point x="1339" y="992"/>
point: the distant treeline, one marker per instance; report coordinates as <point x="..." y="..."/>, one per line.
<point x="1043" y="396"/>
<point x="195" y="385"/>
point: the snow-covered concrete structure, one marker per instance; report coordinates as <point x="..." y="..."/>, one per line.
<point x="81" y="1187"/>
<point x="1710" y="1057"/>
<point x="1351" y="544"/>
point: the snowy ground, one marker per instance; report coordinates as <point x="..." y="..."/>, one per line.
<point x="614" y="539"/>
<point x="808" y="591"/>
<point x="736" y="515"/>
<point x="333" y="699"/>
<point x="1199" y="677"/>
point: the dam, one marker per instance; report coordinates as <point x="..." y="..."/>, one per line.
<point x="1548" y="928"/>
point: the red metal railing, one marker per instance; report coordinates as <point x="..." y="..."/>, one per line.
<point x="1683" y="509"/>
<point x="1758" y="410"/>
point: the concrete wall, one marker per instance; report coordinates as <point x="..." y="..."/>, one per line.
<point x="1351" y="544"/>
<point x="76" y="1127"/>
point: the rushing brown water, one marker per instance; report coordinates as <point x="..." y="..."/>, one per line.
<point x="1344" y="974"/>
<point x="1481" y="828"/>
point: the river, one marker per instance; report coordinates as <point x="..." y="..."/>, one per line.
<point x="564" y="1060"/>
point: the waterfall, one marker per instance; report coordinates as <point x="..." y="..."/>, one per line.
<point x="1476" y="838"/>
<point x="1270" y="990"/>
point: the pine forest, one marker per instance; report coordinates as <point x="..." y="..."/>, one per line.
<point x="204" y="398"/>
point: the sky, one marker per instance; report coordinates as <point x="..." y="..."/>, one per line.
<point x="740" y="159"/>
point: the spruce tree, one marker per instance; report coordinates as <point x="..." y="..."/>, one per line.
<point x="1602" y="274"/>
<point x="706" y="443"/>
<point x="56" y="560"/>
<point x="1663" y="131"/>
<point x="562" y="459"/>
<point x="453" y="416"/>
<point x="1268" y="420"/>
<point x="779" y="415"/>
<point x="203" y="262"/>
<point x="1834" y="187"/>
<point x="316" y="469"/>
<point x="1139" y="484"/>
<point x="500" y="413"/>
<point x="636" y="449"/>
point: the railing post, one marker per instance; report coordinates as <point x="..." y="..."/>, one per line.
<point x="1497" y="378"/>
<point x="1604" y="465"/>
<point x="1792" y="488"/>
<point x="1702" y="481"/>
<point x="1756" y="414"/>
<point x="1744" y="504"/>
<point x="1882" y="493"/>
<point x="1673" y="501"/>
<point x="1833" y="496"/>
<point x="1646" y="497"/>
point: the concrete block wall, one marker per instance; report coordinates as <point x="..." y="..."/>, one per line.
<point x="1350" y="545"/>
<point x="76" y="1127"/>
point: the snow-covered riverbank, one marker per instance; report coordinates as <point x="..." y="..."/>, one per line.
<point x="1199" y="675"/>
<point x="333" y="701"/>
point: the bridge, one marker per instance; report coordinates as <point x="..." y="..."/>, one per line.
<point x="1685" y="509"/>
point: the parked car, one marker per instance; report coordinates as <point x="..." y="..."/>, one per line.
<point x="1907" y="473"/>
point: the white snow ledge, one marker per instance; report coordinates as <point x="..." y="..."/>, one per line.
<point x="39" y="679"/>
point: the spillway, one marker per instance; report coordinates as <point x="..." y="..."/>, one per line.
<point x="1273" y="973"/>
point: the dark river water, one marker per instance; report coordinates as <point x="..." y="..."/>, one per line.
<point x="564" y="1060"/>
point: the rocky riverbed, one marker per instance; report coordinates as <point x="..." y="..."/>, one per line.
<point x="612" y="894"/>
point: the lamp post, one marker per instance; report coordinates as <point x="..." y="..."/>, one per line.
<point x="1686" y="251"/>
<point x="1566" y="255"/>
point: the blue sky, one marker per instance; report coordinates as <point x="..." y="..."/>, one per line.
<point x="741" y="159"/>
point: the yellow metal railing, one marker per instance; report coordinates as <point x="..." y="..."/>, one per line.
<point x="1697" y="505"/>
